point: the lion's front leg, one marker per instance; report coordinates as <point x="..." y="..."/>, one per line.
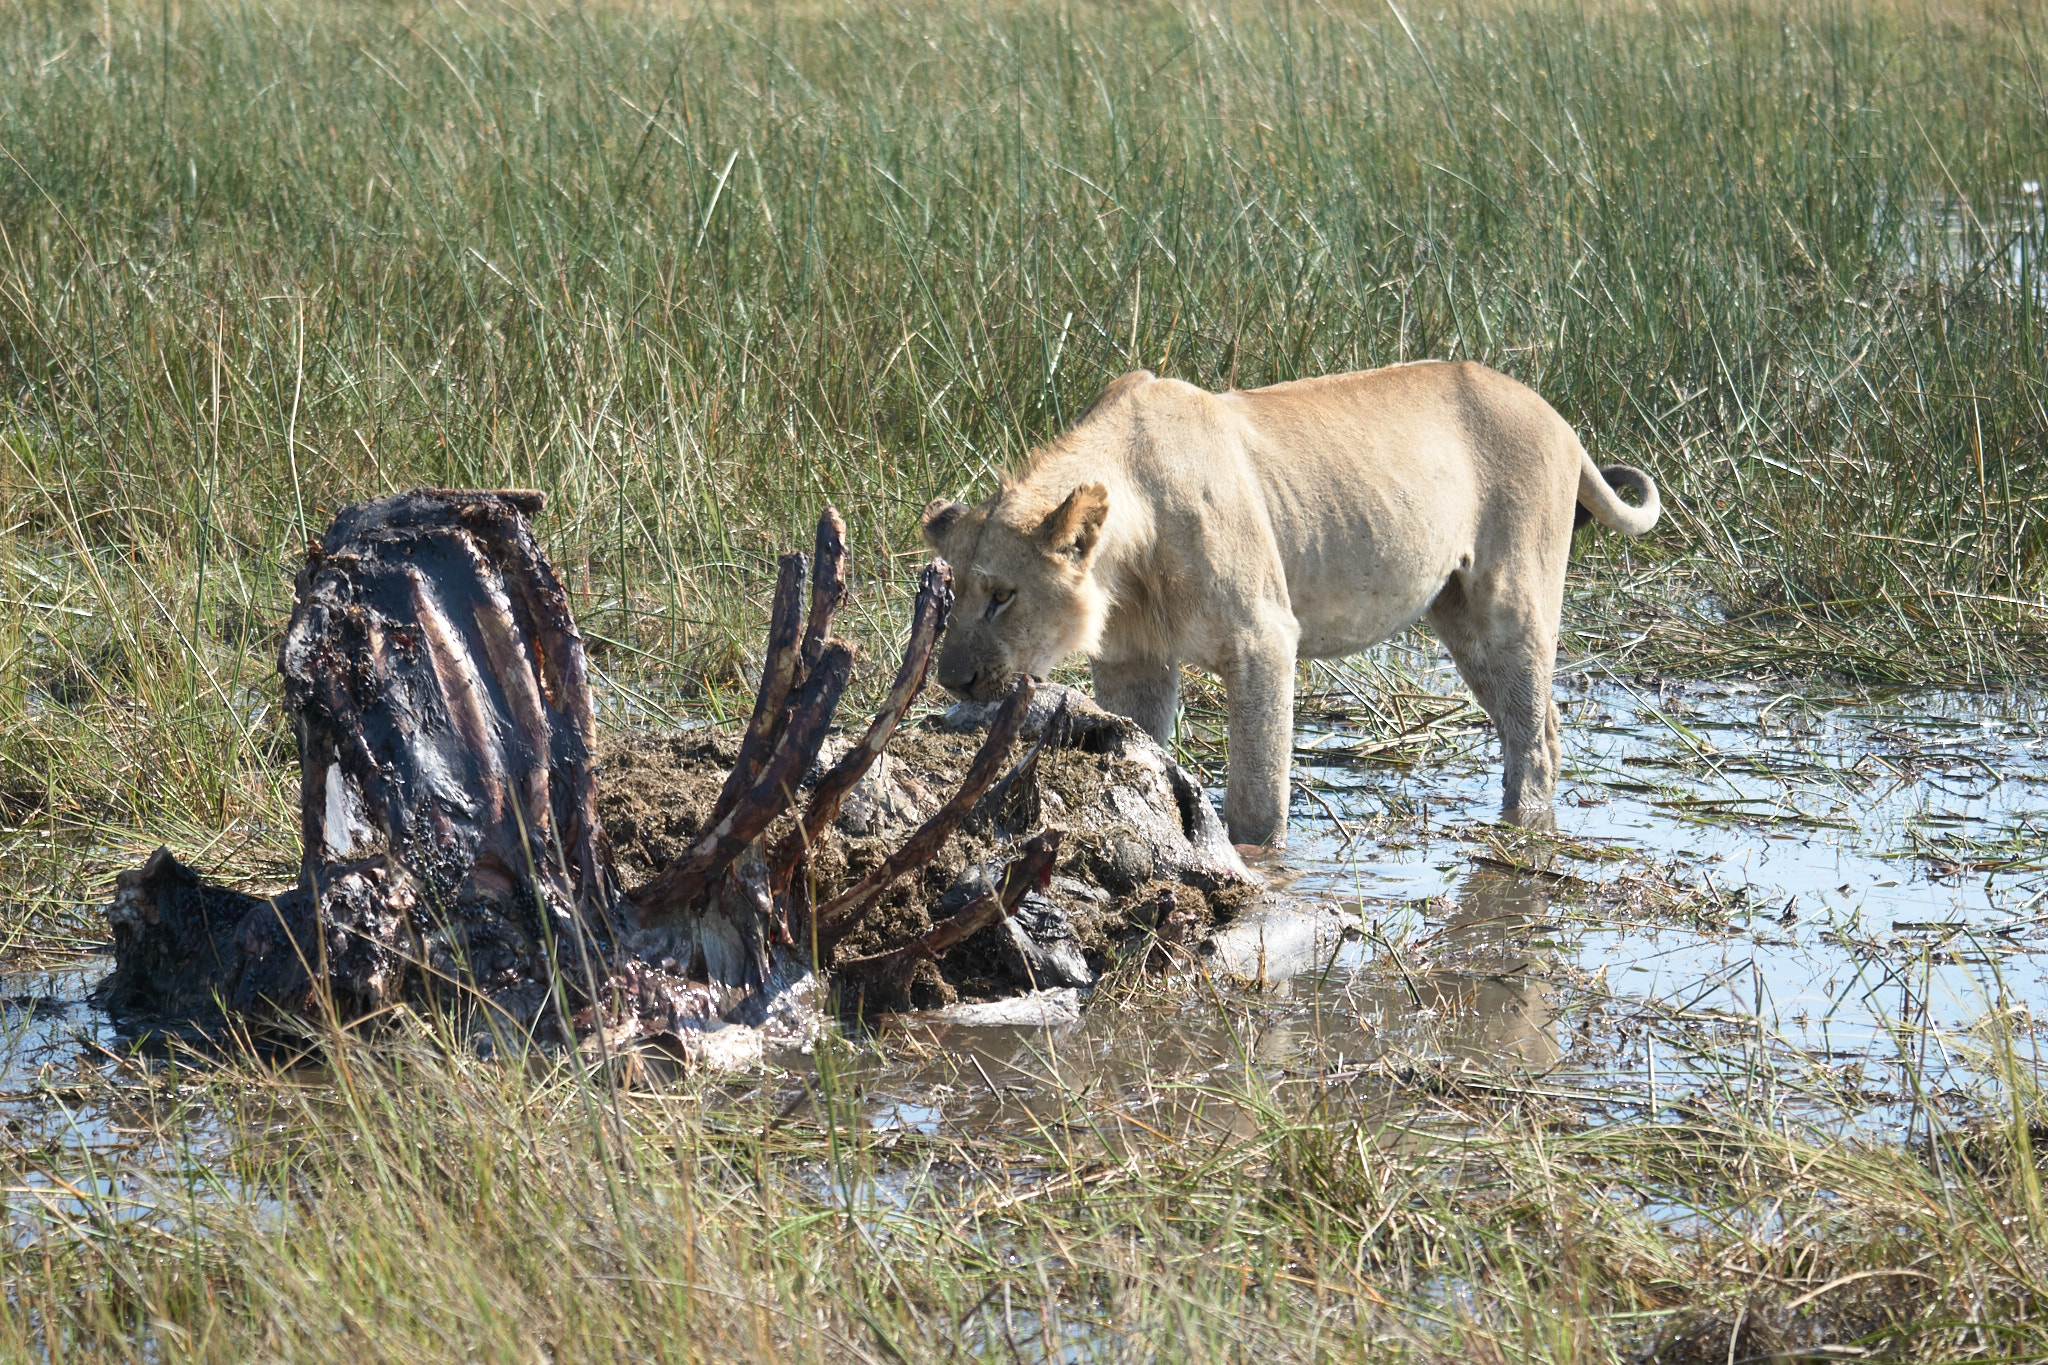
<point x="1146" y="690"/>
<point x="1261" y="688"/>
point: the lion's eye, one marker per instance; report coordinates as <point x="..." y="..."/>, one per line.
<point x="1002" y="597"/>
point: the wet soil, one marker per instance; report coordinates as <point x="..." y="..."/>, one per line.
<point x="655" y="791"/>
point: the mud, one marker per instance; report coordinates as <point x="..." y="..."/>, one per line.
<point x="655" y="793"/>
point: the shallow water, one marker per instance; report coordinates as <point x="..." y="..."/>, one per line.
<point x="1997" y="243"/>
<point x="1832" y="903"/>
<point x="89" y="1132"/>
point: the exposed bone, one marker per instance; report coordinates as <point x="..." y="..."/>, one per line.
<point x="680" y="887"/>
<point x="833" y="920"/>
<point x="828" y="584"/>
<point x="415" y="679"/>
<point x="928" y="619"/>
<point x="779" y="674"/>
<point x="732" y="926"/>
<point x="997" y="798"/>
<point x="1031" y="869"/>
<point x="436" y="682"/>
<point x="564" y="674"/>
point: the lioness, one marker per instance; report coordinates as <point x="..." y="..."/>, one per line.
<point x="1242" y="531"/>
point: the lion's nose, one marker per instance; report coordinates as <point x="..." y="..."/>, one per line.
<point x="957" y="682"/>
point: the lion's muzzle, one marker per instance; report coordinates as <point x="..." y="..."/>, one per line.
<point x="960" y="682"/>
<point x="970" y="674"/>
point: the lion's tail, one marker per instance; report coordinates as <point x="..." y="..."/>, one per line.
<point x="1598" y="500"/>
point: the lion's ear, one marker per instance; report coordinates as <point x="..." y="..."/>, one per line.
<point x="940" y="517"/>
<point x="1073" y="527"/>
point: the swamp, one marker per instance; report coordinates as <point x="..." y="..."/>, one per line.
<point x="1740" y="1062"/>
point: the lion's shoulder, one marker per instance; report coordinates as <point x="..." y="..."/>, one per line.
<point x="1118" y="389"/>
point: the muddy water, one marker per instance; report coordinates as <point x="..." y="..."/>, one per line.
<point x="1836" y="903"/>
<point x="86" y="1133"/>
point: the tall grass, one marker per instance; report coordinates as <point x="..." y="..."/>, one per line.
<point x="423" y="1207"/>
<point x="695" y="271"/>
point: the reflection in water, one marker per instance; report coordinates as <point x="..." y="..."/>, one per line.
<point x="1474" y="995"/>
<point x="89" y="1138"/>
<point x="1488" y="998"/>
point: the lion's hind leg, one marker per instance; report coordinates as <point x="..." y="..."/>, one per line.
<point x="1505" y="646"/>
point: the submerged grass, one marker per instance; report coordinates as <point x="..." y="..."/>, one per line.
<point x="413" y="1204"/>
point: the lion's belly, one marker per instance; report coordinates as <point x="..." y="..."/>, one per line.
<point x="1366" y="534"/>
<point x="1357" y="574"/>
<point x="1346" y="623"/>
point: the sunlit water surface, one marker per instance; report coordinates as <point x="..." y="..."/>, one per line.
<point x="1832" y="905"/>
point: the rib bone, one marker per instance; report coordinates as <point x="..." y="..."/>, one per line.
<point x="928" y="620"/>
<point x="1031" y="869"/>
<point x="828" y="584"/>
<point x="683" y="883"/>
<point x="779" y="674"/>
<point x="833" y="920"/>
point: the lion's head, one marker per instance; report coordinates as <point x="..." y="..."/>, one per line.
<point x="1026" y="595"/>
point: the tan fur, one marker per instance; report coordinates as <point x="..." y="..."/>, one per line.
<point x="1242" y="531"/>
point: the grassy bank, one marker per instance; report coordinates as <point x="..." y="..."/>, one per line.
<point x="695" y="271"/>
<point x="417" y="1208"/>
